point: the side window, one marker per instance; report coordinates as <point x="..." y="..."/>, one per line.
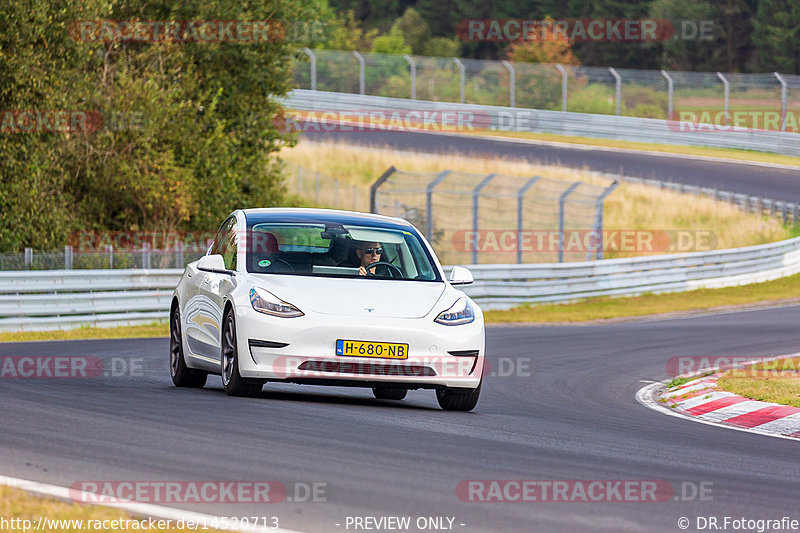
<point x="216" y="246"/>
<point x="229" y="246"/>
<point x="225" y="243"/>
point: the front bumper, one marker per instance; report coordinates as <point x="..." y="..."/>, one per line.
<point x="308" y="354"/>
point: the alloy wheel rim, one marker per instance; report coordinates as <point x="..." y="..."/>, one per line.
<point x="175" y="344"/>
<point x="228" y="349"/>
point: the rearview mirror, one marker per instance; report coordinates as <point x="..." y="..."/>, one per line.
<point x="461" y="276"/>
<point x="213" y="263"/>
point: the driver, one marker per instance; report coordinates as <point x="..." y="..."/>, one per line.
<point x="368" y="253"/>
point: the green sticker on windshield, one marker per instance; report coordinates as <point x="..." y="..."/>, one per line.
<point x="264" y="263"/>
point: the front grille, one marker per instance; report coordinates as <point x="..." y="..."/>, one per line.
<point x="374" y="369"/>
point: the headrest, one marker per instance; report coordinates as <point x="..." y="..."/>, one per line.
<point x="263" y="243"/>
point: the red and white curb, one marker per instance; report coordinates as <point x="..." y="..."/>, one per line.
<point x="700" y="400"/>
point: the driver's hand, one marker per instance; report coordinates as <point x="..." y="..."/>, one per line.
<point x="362" y="271"/>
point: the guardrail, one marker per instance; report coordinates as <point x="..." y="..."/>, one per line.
<point x="788" y="212"/>
<point x="63" y="299"/>
<point x="505" y="286"/>
<point x="496" y="118"/>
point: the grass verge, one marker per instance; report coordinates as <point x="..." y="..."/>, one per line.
<point x="782" y="290"/>
<point x="633" y="207"/>
<point x="20" y="506"/>
<point x="155" y="329"/>
<point x="775" y="381"/>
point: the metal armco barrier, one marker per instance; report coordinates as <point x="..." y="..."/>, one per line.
<point x="62" y="299"/>
<point x="505" y="286"/>
<point x="497" y="118"/>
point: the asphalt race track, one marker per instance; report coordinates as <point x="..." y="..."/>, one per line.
<point x="768" y="182"/>
<point x="573" y="416"/>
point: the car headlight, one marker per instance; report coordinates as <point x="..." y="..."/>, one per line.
<point x="265" y="302"/>
<point x="459" y="313"/>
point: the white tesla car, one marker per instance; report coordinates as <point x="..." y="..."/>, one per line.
<point x="316" y="296"/>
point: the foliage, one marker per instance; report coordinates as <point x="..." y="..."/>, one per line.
<point x="188" y="131"/>
<point x="777" y="35"/>
<point x="344" y="32"/>
<point x="391" y="43"/>
<point x="745" y="36"/>
<point x="543" y="49"/>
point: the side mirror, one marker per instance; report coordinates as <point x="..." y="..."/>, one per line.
<point x="461" y="276"/>
<point x="213" y="263"/>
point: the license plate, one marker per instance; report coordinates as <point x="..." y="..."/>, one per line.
<point x="384" y="350"/>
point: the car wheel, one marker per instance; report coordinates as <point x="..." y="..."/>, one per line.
<point x="389" y="393"/>
<point x="452" y="399"/>
<point x="233" y="382"/>
<point x="182" y="375"/>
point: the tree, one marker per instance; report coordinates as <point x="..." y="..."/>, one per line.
<point x="679" y="53"/>
<point x="777" y="35"/>
<point x="391" y="43"/>
<point x="207" y="137"/>
<point x="548" y="47"/>
<point x="344" y="32"/>
<point x="40" y="69"/>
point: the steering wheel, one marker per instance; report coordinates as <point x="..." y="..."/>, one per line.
<point x="386" y="264"/>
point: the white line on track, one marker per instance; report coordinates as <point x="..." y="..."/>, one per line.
<point x="138" y="509"/>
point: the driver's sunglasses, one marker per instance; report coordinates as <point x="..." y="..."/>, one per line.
<point x="370" y="251"/>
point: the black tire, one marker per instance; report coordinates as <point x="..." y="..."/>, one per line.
<point x="233" y="382"/>
<point x="182" y="375"/>
<point x="453" y="399"/>
<point x="389" y="393"/>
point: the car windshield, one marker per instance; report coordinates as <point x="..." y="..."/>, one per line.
<point x="338" y="250"/>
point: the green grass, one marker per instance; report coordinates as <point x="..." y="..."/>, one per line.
<point x="781" y="290"/>
<point x="677" y="382"/>
<point x="155" y="329"/>
<point x="20" y="505"/>
<point x="791" y="364"/>
<point x="765" y="386"/>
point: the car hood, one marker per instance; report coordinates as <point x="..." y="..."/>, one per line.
<point x="355" y="297"/>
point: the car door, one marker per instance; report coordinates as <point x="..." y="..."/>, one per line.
<point x="203" y="309"/>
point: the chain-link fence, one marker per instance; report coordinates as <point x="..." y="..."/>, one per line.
<point x="760" y="101"/>
<point x="473" y="219"/>
<point x="495" y="218"/>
